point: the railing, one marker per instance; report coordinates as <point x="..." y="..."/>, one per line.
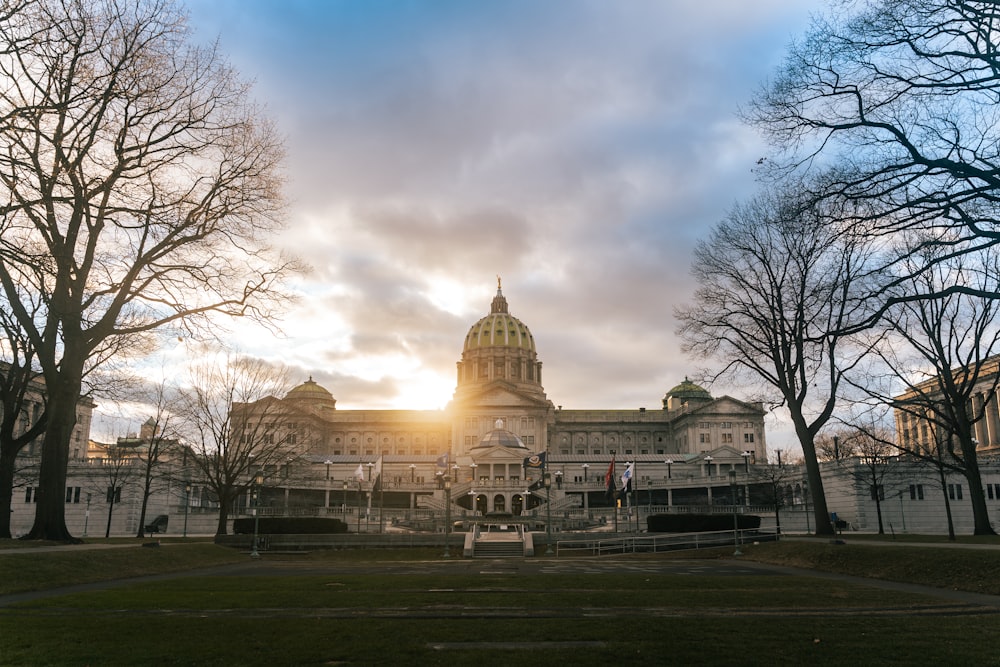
<point x="599" y="546"/>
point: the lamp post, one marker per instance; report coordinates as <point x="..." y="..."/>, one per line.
<point x="255" y="501"/>
<point x="669" y="462"/>
<point x="86" y="517"/>
<point x="746" y="461"/>
<point x="559" y="479"/>
<point x="708" y="464"/>
<point x="548" y="512"/>
<point x="736" y="524"/>
<point x="805" y="497"/>
<point x="187" y="505"/>
<point x="413" y="473"/>
<point x="343" y="507"/>
<point x="328" y="464"/>
<point x="447" y="513"/>
<point x="586" y="467"/>
<point x="474" y="466"/>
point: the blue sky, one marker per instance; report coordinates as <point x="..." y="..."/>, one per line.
<point x="577" y="148"/>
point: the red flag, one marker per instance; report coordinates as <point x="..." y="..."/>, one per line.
<point x="609" y="480"/>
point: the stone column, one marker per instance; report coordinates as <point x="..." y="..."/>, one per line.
<point x="992" y="422"/>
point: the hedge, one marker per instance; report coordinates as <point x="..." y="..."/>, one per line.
<point x="699" y="523"/>
<point x="277" y="525"/>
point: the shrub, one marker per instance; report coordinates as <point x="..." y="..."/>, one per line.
<point x="278" y="525"/>
<point x="699" y="523"/>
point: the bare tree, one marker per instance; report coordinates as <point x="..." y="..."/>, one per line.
<point x="774" y="479"/>
<point x="900" y="97"/>
<point x="138" y="186"/>
<point x="236" y="427"/>
<point x="159" y="441"/>
<point x="778" y="283"/>
<point x="875" y="462"/>
<point x="940" y="366"/>
<point x="22" y="407"/>
<point x="117" y="470"/>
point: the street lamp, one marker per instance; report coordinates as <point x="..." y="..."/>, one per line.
<point x="548" y="512"/>
<point x="746" y="461"/>
<point x="669" y="463"/>
<point x="187" y="505"/>
<point x="586" y="467"/>
<point x="447" y="513"/>
<point x="328" y="464"/>
<point x="736" y="524"/>
<point x="708" y="464"/>
<point x="559" y="479"/>
<point x="255" y="501"/>
<point x="370" y="466"/>
<point x="86" y="518"/>
<point x="473" y="466"/>
<point x="413" y="472"/>
<point x="343" y="508"/>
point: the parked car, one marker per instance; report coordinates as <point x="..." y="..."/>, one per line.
<point x="158" y="525"/>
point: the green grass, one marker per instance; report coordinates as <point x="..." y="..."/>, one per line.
<point x="21" y="572"/>
<point x="404" y="619"/>
<point x="469" y="618"/>
<point x="971" y="570"/>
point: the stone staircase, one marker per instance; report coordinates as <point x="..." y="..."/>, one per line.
<point x="498" y="549"/>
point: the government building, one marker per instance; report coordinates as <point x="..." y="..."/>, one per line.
<point x="488" y="452"/>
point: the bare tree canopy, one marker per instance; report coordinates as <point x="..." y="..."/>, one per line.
<point x="900" y="97"/>
<point x="777" y="284"/>
<point x="939" y="368"/>
<point x="235" y="426"/>
<point x="138" y="187"/>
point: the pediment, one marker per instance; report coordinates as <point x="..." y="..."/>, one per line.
<point x="500" y="455"/>
<point x="727" y="405"/>
<point x="502" y="394"/>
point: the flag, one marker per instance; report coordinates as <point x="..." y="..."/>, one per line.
<point x="359" y="474"/>
<point x="609" y="481"/>
<point x="627" y="480"/>
<point x="377" y="486"/>
<point x="534" y="461"/>
<point x="443" y="460"/>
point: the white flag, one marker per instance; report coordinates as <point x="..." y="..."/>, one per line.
<point x="627" y="479"/>
<point x="359" y="474"/>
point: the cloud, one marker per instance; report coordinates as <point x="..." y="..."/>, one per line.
<point x="579" y="149"/>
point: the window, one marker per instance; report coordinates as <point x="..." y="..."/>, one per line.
<point x="727" y="438"/>
<point x="69" y="494"/>
<point x="955" y="491"/>
<point x="748" y="438"/>
<point x="876" y="491"/>
<point x="725" y="424"/>
<point x="916" y="491"/>
<point x="28" y="495"/>
<point x="704" y="438"/>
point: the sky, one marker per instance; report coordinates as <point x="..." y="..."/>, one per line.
<point x="576" y="148"/>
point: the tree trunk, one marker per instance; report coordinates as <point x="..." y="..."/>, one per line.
<point x="221" y="528"/>
<point x="7" y="467"/>
<point x="878" y="512"/>
<point x="820" y="511"/>
<point x="50" y="510"/>
<point x="977" y="495"/>
<point x="947" y="503"/>
<point x="111" y="509"/>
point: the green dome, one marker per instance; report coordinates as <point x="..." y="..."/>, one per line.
<point x="688" y="390"/>
<point x="499" y="329"/>
<point x="310" y="391"/>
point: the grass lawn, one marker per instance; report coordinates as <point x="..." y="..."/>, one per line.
<point x="462" y="615"/>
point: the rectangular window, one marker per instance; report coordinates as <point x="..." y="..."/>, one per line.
<point x="27" y="494"/>
<point x="725" y="424"/>
<point x="748" y="438"/>
<point x="876" y="491"/>
<point x="955" y="491"/>
<point x="703" y="438"/>
<point x="989" y="491"/>
<point x="727" y="438"/>
<point x="916" y="491"/>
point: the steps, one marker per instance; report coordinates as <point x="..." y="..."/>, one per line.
<point x="498" y="549"/>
